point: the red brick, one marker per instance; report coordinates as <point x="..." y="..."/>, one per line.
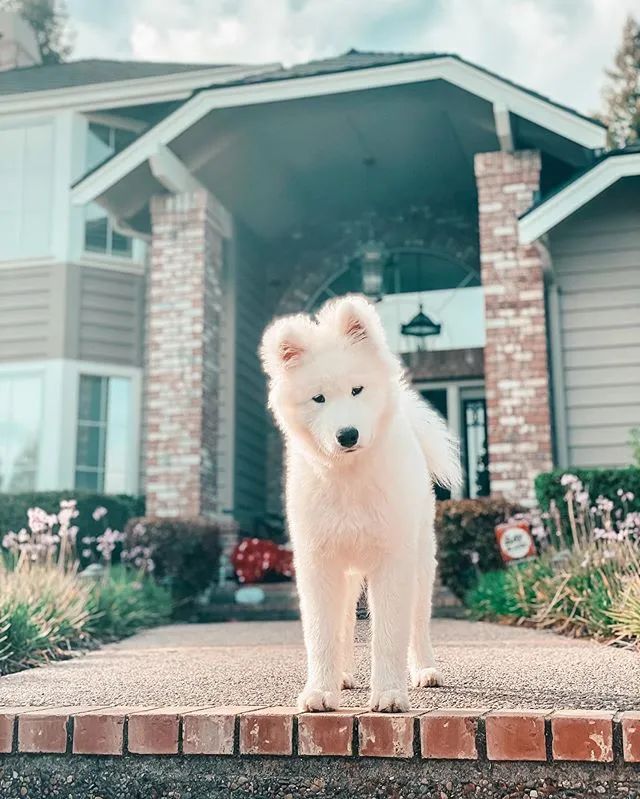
<point x="582" y="735"/>
<point x="449" y="734"/>
<point x="326" y="733"/>
<point x="101" y="732"/>
<point x="267" y="732"/>
<point x="44" y="730"/>
<point x="386" y="734"/>
<point x="516" y="735"/>
<point x="155" y="732"/>
<point x="8" y="717"/>
<point x="211" y="731"/>
<point x="630" y="723"/>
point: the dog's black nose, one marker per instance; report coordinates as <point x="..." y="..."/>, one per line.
<point x="347" y="437"/>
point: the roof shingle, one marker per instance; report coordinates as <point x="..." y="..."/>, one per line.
<point x="84" y="73"/>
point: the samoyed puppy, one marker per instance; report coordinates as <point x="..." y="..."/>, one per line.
<point x="362" y="453"/>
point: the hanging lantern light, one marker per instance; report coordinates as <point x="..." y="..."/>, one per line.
<point x="421" y="326"/>
<point x="373" y="257"/>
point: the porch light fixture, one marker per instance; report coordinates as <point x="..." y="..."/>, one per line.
<point x="420" y="326"/>
<point x="373" y="257"/>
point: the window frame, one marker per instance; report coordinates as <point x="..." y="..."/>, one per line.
<point x="135" y="259"/>
<point x="107" y="372"/>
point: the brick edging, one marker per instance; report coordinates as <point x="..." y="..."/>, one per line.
<point x="444" y="734"/>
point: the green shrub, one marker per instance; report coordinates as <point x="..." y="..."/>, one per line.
<point x="465" y="527"/>
<point x="125" y="602"/>
<point x="120" y="508"/>
<point x="43" y="613"/>
<point x="605" y="482"/>
<point x="185" y="552"/>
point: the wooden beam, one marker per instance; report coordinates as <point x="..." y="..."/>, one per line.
<point x="169" y="170"/>
<point x="504" y="129"/>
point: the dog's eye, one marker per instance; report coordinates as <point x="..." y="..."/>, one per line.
<point x="318" y="398"/>
<point x="356" y="390"/>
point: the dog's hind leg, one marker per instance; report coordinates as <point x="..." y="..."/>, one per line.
<point x="422" y="661"/>
<point x="354" y="589"/>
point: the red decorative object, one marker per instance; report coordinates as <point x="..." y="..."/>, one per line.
<point x="256" y="559"/>
<point x="515" y="540"/>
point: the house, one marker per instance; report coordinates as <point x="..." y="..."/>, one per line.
<point x="159" y="215"/>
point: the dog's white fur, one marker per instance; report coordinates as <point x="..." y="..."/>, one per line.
<point x="362" y="514"/>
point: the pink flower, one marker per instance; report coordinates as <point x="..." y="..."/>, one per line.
<point x="99" y="513"/>
<point x="40" y="520"/>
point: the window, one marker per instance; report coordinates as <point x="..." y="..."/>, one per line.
<point x="20" y="431"/>
<point x="104" y="434"/>
<point x="26" y="170"/>
<point x="476" y="449"/>
<point x="99" y="235"/>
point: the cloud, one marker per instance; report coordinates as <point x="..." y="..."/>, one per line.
<point x="558" y="47"/>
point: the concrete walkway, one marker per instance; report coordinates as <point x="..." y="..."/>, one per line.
<point x="483" y="665"/>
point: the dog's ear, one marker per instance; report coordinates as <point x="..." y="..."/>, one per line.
<point x="356" y="318"/>
<point x="284" y="343"/>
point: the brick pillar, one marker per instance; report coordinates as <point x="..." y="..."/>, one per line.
<point x="516" y="371"/>
<point x="181" y="403"/>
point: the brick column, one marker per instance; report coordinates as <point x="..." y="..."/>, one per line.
<point x="181" y="403"/>
<point x="516" y="365"/>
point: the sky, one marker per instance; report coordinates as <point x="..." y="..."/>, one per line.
<point x="557" y="47"/>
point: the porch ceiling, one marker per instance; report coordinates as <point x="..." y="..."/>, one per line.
<point x="277" y="166"/>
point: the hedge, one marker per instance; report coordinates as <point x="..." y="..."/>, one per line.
<point x="465" y="527"/>
<point x="605" y="482"/>
<point x="185" y="552"/>
<point x="120" y="508"/>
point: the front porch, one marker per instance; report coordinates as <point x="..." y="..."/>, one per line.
<point x="400" y="180"/>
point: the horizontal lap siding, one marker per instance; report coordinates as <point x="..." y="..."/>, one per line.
<point x="250" y="389"/>
<point x="596" y="257"/>
<point x="32" y="312"/>
<point x="110" y="316"/>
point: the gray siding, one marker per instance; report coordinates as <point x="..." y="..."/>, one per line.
<point x="109" y="316"/>
<point x="250" y="387"/>
<point x="596" y="258"/>
<point x="32" y="318"/>
<point x="70" y="311"/>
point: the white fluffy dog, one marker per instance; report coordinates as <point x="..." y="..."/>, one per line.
<point x="362" y="450"/>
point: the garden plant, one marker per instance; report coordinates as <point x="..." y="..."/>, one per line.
<point x="585" y="579"/>
<point x="61" y="591"/>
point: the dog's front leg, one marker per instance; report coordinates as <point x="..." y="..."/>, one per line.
<point x="391" y="596"/>
<point x="322" y="590"/>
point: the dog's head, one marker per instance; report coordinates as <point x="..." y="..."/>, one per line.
<point x="331" y="378"/>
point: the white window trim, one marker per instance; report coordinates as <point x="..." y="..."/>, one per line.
<point x="567" y="201"/>
<point x="74" y="370"/>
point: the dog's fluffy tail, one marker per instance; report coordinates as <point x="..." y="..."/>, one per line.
<point x="440" y="448"/>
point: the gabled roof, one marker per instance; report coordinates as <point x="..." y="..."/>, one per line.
<point x="44" y="77"/>
<point x="353" y="71"/>
<point x="576" y="192"/>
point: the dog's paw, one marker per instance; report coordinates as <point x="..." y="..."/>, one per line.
<point x="348" y="680"/>
<point x="393" y="701"/>
<point x="426" y="678"/>
<point x="315" y="699"/>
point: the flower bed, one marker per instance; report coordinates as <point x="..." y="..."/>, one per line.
<point x="50" y="608"/>
<point x="585" y="579"/>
